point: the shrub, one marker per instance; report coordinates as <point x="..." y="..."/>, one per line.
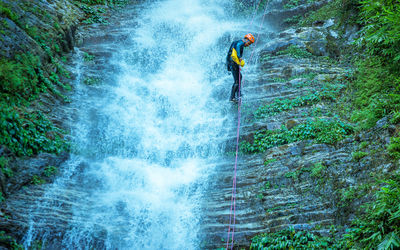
<point x="394" y="147"/>
<point x="376" y="93"/>
<point x="379" y="226"/>
<point x="380" y="34"/>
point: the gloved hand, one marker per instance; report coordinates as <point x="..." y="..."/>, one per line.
<point x="242" y="63"/>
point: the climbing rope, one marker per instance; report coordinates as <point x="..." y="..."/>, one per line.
<point x="231" y="228"/>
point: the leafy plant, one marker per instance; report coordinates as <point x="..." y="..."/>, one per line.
<point x="88" y="57"/>
<point x="328" y="92"/>
<point x="295" y="3"/>
<point x="320" y="130"/>
<point x="379" y="226"/>
<point x="36" y="180"/>
<point x="358" y="155"/>
<point x="318" y="170"/>
<point x="29" y="133"/>
<point x="291" y="239"/>
<point x="269" y="161"/>
<point x="380" y="34"/>
<point x="375" y="91"/>
<point x="10" y="241"/>
<point x="4" y="167"/>
<point x="394" y="147"/>
<point x="295" y="51"/>
<point x="292" y="20"/>
<point x="50" y="170"/>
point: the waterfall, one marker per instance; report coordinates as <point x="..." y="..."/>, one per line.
<point x="146" y="138"/>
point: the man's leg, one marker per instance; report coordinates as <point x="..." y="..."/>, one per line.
<point x="235" y="86"/>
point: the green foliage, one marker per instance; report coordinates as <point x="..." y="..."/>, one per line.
<point x="10" y="241"/>
<point x="19" y="77"/>
<point x="36" y="180"/>
<point x="349" y="194"/>
<point x="363" y="145"/>
<point x="104" y="2"/>
<point x="4" y="167"/>
<point x="376" y="92"/>
<point x="88" y="57"/>
<point x="380" y="34"/>
<point x="292" y="20"/>
<point x="394" y="147"/>
<point x="94" y="13"/>
<point x="318" y="170"/>
<point x="269" y="161"/>
<point x="50" y="170"/>
<point x="320" y="130"/>
<point x="358" y="155"/>
<point x="290" y="239"/>
<point x="379" y="226"/>
<point x="328" y="92"/>
<point x="29" y="133"/>
<point x="344" y="11"/>
<point x="396" y="118"/>
<point x="6" y="11"/>
<point x="2" y="197"/>
<point x="265" y="187"/>
<point x="91" y="81"/>
<point x="295" y="51"/>
<point x="290" y="4"/>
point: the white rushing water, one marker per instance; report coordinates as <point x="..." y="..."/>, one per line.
<point x="143" y="143"/>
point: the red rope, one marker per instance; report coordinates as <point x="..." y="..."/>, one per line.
<point x="233" y="199"/>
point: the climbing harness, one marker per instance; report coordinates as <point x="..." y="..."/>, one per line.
<point x="231" y="228"/>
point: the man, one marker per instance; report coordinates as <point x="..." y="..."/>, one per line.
<point x="234" y="61"/>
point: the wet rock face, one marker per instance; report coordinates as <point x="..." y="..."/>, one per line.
<point x="308" y="185"/>
<point x="25" y="169"/>
<point x="32" y="27"/>
<point x="51" y="20"/>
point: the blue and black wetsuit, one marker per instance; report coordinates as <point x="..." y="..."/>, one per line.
<point x="233" y="60"/>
